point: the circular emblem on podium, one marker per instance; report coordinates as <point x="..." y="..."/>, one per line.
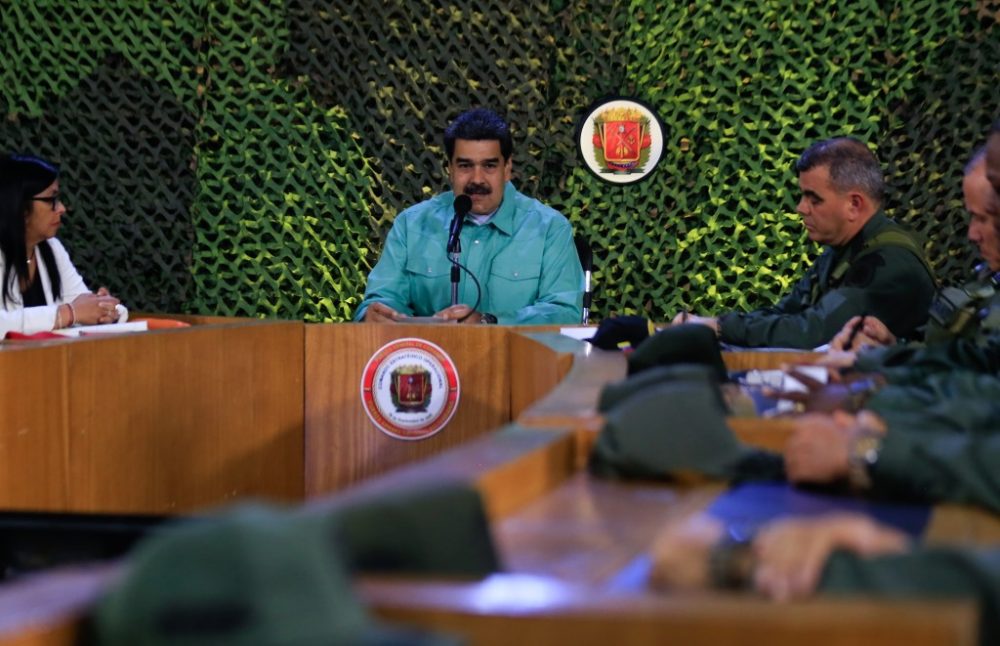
<point x="620" y="140"/>
<point x="409" y="389"/>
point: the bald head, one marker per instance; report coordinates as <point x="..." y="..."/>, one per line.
<point x="993" y="157"/>
<point x="983" y="205"/>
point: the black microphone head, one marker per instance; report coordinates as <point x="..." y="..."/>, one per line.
<point x="463" y="204"/>
<point x="585" y="252"/>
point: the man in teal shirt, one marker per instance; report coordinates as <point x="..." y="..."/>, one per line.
<point x="520" y="251"/>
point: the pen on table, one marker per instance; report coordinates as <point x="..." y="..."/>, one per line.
<point x="854" y="332"/>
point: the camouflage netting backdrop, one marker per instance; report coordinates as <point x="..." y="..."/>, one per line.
<point x="248" y="158"/>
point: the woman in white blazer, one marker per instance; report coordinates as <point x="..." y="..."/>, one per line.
<point x="40" y="289"/>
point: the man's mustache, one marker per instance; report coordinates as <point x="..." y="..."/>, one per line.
<point x="477" y="189"/>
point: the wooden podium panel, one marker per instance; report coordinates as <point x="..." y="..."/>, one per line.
<point x="34" y="445"/>
<point x="572" y="398"/>
<point x="343" y="446"/>
<point x="769" y="360"/>
<point x="159" y="422"/>
<point x="174" y="420"/>
<point x="540" y="360"/>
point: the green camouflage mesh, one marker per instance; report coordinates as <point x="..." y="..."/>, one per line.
<point x="248" y="158"/>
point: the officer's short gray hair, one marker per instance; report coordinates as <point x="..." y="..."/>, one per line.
<point x="851" y="164"/>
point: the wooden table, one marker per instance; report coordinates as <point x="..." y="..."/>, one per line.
<point x="574" y="547"/>
<point x="575" y="550"/>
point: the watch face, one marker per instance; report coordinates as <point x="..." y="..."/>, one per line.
<point x="489" y="319"/>
<point x="866" y="449"/>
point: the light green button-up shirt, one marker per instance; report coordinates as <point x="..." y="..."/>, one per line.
<point x="524" y="259"/>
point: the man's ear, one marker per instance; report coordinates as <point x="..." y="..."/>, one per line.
<point x="857" y="203"/>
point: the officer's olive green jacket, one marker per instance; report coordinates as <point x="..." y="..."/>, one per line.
<point x="973" y="346"/>
<point x="889" y="282"/>
<point x="927" y="573"/>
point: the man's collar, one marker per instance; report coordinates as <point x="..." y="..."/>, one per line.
<point x="503" y="219"/>
<point x="874" y="224"/>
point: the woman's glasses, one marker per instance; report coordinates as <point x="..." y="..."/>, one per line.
<point x="52" y="200"/>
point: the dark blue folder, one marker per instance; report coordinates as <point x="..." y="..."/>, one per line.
<point x="754" y="504"/>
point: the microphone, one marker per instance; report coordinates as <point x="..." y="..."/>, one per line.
<point x="587" y="262"/>
<point x="463" y="204"/>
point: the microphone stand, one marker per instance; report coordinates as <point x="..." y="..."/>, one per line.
<point x="454" y="253"/>
<point x="463" y="203"/>
<point x="587" y="263"/>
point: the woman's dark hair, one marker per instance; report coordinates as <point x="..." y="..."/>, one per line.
<point x="21" y="178"/>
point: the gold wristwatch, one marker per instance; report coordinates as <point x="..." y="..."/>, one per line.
<point x="861" y="458"/>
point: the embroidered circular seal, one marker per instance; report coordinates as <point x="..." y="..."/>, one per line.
<point x="620" y="140"/>
<point x="409" y="388"/>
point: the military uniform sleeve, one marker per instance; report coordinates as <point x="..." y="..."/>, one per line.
<point x="890" y="283"/>
<point x="387" y="282"/>
<point x="769" y="325"/>
<point x="904" y="365"/>
<point x="924" y="572"/>
<point x="560" y="285"/>
<point x="880" y="359"/>
<point x="953" y="401"/>
<point x="806" y="329"/>
<point x="941" y="466"/>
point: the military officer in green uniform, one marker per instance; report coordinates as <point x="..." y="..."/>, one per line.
<point x="929" y="393"/>
<point x="927" y="427"/>
<point x="966" y="318"/>
<point x="941" y="403"/>
<point x="971" y="311"/>
<point x="832" y="555"/>
<point x="926" y="465"/>
<point x="871" y="264"/>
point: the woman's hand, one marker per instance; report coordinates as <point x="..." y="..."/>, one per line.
<point x="95" y="309"/>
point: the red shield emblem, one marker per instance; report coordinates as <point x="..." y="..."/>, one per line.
<point x="411" y="389"/>
<point x="621" y="141"/>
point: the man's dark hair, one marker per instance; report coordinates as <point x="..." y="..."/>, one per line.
<point x="851" y="166"/>
<point x="479" y="124"/>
